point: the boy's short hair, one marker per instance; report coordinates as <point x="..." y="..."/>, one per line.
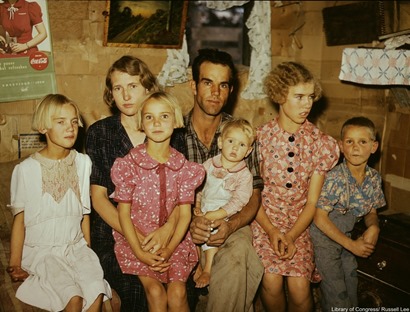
<point x="166" y="98"/>
<point x="50" y="106"/>
<point x="285" y="75"/>
<point x="360" y="121"/>
<point x="239" y="123"/>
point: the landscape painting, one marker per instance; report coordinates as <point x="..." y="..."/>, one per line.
<point x="145" y="24"/>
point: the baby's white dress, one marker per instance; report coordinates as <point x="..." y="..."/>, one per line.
<point x="54" y="195"/>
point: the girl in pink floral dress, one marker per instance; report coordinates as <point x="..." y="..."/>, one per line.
<point x="294" y="156"/>
<point x="151" y="181"/>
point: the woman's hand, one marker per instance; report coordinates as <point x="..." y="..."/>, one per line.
<point x="157" y="239"/>
<point x="18" y="47"/>
<point x="290" y="248"/>
<point x="17" y="274"/>
<point x="278" y="241"/>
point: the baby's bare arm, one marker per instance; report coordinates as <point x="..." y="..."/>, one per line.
<point x="216" y="215"/>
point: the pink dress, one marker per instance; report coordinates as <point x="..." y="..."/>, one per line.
<point x="154" y="189"/>
<point x="287" y="163"/>
<point x="19" y="19"/>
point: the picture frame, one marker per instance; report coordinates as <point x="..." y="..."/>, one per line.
<point x="145" y="24"/>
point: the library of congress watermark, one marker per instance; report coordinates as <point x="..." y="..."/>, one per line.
<point x="376" y="309"/>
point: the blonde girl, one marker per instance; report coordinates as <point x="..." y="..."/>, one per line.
<point x="150" y="182"/>
<point x="50" y="202"/>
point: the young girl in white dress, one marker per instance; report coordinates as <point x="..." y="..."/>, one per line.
<point x="50" y="234"/>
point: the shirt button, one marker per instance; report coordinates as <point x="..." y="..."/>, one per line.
<point x="288" y="185"/>
<point x="290" y="169"/>
<point x="291" y="154"/>
<point x="291" y="138"/>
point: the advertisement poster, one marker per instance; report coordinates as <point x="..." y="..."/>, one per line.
<point x="26" y="58"/>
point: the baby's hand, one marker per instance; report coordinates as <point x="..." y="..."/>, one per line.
<point x="198" y="212"/>
<point x="17" y="274"/>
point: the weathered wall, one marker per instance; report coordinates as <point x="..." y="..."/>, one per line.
<point x="81" y="62"/>
<point x="344" y="100"/>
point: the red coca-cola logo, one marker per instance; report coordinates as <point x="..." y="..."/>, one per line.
<point x="38" y="60"/>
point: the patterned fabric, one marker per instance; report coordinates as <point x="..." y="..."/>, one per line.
<point x="187" y="142"/>
<point x="106" y="140"/>
<point x="244" y="275"/>
<point x="58" y="176"/>
<point x="287" y="163"/>
<point x="150" y="186"/>
<point x="259" y="25"/>
<point x="55" y="253"/>
<point x="346" y="201"/>
<point x="175" y="68"/>
<point x="341" y="192"/>
<point x="376" y="66"/>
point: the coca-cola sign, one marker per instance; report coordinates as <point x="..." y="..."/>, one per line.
<point x="39" y="60"/>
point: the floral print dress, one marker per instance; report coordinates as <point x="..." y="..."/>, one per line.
<point x="154" y="190"/>
<point x="287" y="163"/>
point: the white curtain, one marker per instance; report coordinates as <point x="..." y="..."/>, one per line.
<point x="175" y="68"/>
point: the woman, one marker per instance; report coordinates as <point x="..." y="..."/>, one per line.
<point x="17" y="18"/>
<point x="128" y="82"/>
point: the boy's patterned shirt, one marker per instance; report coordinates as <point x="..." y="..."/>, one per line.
<point x="340" y="191"/>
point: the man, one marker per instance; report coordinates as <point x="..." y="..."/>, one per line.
<point x="236" y="270"/>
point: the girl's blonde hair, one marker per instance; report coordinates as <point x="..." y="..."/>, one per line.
<point x="50" y="106"/>
<point x="165" y="98"/>
<point x="241" y="124"/>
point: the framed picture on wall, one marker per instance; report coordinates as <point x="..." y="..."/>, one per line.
<point x="145" y="24"/>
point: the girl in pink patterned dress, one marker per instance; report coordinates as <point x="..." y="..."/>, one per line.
<point x="151" y="181"/>
<point x="294" y="156"/>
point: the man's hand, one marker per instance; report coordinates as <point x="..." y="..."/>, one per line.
<point x="200" y="229"/>
<point x="224" y="230"/>
<point x="17" y="274"/>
